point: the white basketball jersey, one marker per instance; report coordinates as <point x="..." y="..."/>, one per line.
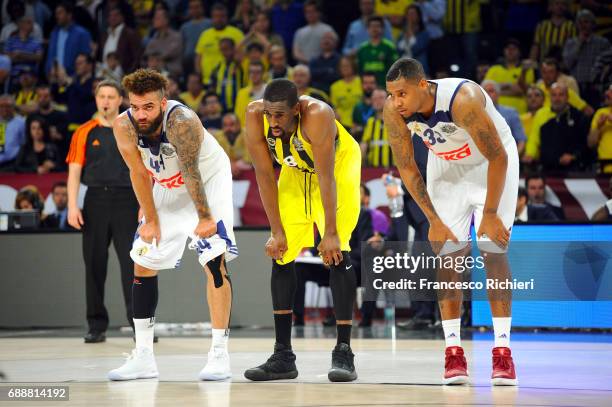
<point x="444" y="137"/>
<point x="161" y="159"/>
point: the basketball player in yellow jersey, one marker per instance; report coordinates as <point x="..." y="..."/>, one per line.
<point x="318" y="184"/>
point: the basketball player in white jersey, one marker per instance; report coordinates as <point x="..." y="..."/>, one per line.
<point x="472" y="171"/>
<point x="164" y="141"/>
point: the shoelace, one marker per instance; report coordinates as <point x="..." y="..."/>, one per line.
<point x="454" y="361"/>
<point x="501" y="362"/>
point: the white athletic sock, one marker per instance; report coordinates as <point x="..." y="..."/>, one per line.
<point x="501" y="330"/>
<point x="219" y="338"/>
<point x="144" y="333"/>
<point x="452" y="332"/>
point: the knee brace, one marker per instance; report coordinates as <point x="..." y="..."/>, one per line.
<point x="215" y="269"/>
<point x="283" y="283"/>
<point x="343" y="284"/>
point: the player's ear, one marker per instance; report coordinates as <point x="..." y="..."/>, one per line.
<point x="164" y="102"/>
<point x="296" y="109"/>
<point x="423" y="83"/>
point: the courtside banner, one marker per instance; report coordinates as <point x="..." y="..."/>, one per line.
<point x="531" y="271"/>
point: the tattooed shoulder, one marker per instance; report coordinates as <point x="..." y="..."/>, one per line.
<point x="183" y="127"/>
<point x="124" y="124"/>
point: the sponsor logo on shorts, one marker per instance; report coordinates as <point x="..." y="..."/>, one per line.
<point x="142" y="251"/>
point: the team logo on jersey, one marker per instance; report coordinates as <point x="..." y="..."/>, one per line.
<point x="297" y="143"/>
<point x="167" y="150"/>
<point x="271" y="141"/>
<point x="416" y="128"/>
<point x="448" y="128"/>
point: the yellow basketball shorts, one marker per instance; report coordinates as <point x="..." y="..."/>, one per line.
<point x="301" y="207"/>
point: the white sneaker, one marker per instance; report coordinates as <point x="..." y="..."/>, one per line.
<point x="140" y="364"/>
<point x="218" y="365"/>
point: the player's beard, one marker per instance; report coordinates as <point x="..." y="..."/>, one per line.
<point x="151" y="128"/>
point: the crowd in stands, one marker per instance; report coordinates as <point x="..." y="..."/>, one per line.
<point x="545" y="64"/>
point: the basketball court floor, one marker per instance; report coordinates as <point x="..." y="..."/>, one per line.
<point x="554" y="369"/>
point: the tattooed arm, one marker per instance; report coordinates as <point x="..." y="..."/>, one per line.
<point x="468" y="111"/>
<point x="185" y="133"/>
<point x="400" y="140"/>
<point x="127" y="142"/>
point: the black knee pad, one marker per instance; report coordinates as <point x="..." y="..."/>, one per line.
<point x="215" y="269"/>
<point x="343" y="284"/>
<point x="283" y="283"/>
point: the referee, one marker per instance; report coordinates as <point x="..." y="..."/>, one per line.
<point x="110" y="210"/>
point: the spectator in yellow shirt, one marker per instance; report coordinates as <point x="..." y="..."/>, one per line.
<point x="252" y="92"/>
<point x="600" y="136"/>
<point x="551" y="73"/>
<point x="346" y="92"/>
<point x="208" y="54"/>
<point x="508" y="76"/>
<point x="231" y="138"/>
<point x="535" y="100"/>
<point x="194" y="94"/>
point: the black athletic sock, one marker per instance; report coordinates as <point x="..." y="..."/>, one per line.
<point x="344" y="334"/>
<point x="282" y="327"/>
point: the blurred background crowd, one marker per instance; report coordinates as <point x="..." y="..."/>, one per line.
<point x="547" y="65"/>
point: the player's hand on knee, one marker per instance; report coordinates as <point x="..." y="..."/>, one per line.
<point x="493" y="228"/>
<point x="149" y="231"/>
<point x="439" y="234"/>
<point x="206" y="228"/>
<point x="276" y="246"/>
<point x="75" y="218"/>
<point x="329" y="249"/>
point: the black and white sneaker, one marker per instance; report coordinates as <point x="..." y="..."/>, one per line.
<point x="281" y="365"/>
<point x="343" y="368"/>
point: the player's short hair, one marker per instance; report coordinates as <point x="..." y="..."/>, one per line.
<point x="281" y="90"/>
<point x="109" y="83"/>
<point x="144" y="81"/>
<point x="407" y="68"/>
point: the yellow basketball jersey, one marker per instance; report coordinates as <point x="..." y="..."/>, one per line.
<point x="297" y="152"/>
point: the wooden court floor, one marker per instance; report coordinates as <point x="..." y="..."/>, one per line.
<point x="391" y="373"/>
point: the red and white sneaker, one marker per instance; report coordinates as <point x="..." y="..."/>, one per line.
<point x="455" y="366"/>
<point x="503" y="368"/>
